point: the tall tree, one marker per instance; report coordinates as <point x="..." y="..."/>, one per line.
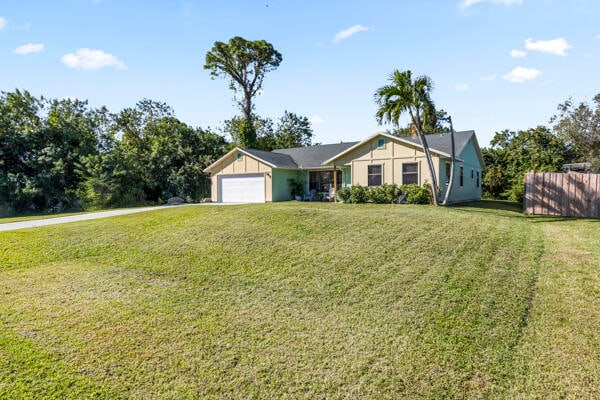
<point x="512" y="154"/>
<point x="263" y="129"/>
<point x="579" y="125"/>
<point x="404" y="95"/>
<point x="245" y="63"/>
<point x="293" y="131"/>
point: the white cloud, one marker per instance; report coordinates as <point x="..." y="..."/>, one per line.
<point x="464" y="4"/>
<point x="2" y="23"/>
<point x="29" y="48"/>
<point x="522" y="74"/>
<point x="557" y="47"/>
<point x="517" y="53"/>
<point x="487" y="78"/>
<point x="316" y="120"/>
<point x="346" y="33"/>
<point x="461" y="87"/>
<point x="89" y="59"/>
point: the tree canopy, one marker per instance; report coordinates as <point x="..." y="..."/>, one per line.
<point x="245" y="63"/>
<point x="58" y="154"/>
<point x="290" y="130"/>
<point x="579" y="125"/>
<point x="512" y="154"/>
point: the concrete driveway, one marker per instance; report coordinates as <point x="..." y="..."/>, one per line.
<point x="11" y="226"/>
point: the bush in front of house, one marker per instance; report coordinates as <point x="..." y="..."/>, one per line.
<point x="343" y="194"/>
<point x="416" y="194"/>
<point x="383" y="194"/>
<point x="358" y="194"/>
<point x="353" y="194"/>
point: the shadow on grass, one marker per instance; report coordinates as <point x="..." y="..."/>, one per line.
<point x="501" y="208"/>
<point x="559" y="218"/>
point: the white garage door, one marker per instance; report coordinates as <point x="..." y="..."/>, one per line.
<point x="242" y="188"/>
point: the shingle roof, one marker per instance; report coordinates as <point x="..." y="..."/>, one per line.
<point x="441" y="141"/>
<point x="314" y="156"/>
<point x="278" y="160"/>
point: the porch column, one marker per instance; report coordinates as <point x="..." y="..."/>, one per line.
<point x="334" y="184"/>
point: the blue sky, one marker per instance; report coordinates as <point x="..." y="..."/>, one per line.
<point x="496" y="64"/>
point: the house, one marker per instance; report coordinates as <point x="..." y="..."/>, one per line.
<point x="249" y="175"/>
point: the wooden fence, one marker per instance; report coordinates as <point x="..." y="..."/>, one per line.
<point x="570" y="195"/>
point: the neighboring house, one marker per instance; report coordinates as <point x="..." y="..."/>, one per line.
<point x="248" y="175"/>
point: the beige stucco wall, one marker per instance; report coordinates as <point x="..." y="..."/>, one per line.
<point x="247" y="165"/>
<point x="391" y="158"/>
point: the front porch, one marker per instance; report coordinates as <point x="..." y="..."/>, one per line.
<point x="322" y="184"/>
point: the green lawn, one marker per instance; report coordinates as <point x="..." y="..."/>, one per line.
<point x="303" y="301"/>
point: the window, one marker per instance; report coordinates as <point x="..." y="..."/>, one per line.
<point x="239" y="156"/>
<point x="472" y="172"/>
<point x="374" y="175"/>
<point x="322" y="181"/>
<point x="477" y="183"/>
<point x="460" y="172"/>
<point x="380" y="143"/>
<point x="448" y="166"/>
<point x="410" y="173"/>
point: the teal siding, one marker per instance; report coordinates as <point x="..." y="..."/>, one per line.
<point x="281" y="185"/>
<point x="346" y="176"/>
<point x="303" y="176"/>
<point x="469" y="190"/>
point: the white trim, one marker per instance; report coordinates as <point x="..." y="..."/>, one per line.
<point x="382" y="177"/>
<point x="210" y="167"/>
<point x="398" y="139"/>
<point x="418" y="164"/>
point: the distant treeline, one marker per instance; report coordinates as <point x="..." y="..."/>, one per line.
<point x="574" y="136"/>
<point x="62" y="154"/>
<point x="58" y="155"/>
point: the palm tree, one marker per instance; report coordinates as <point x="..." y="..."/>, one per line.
<point x="405" y="95"/>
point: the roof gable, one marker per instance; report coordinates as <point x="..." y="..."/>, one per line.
<point x="441" y="143"/>
<point x="271" y="159"/>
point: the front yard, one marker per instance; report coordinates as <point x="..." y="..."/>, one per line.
<point x="303" y="300"/>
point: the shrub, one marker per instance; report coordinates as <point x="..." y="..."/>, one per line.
<point x="357" y="195"/>
<point x="383" y="194"/>
<point x="343" y="194"/>
<point x="416" y="194"/>
<point x="516" y="192"/>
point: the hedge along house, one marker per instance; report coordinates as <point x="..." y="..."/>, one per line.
<point x="248" y="175"/>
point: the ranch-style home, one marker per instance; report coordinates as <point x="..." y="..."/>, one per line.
<point x="248" y="175"/>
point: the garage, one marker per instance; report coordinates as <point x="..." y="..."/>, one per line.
<point x="246" y="188"/>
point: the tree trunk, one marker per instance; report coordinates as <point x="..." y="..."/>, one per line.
<point x="452" y="163"/>
<point x="434" y="185"/>
<point x="247" y="109"/>
<point x="249" y="131"/>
